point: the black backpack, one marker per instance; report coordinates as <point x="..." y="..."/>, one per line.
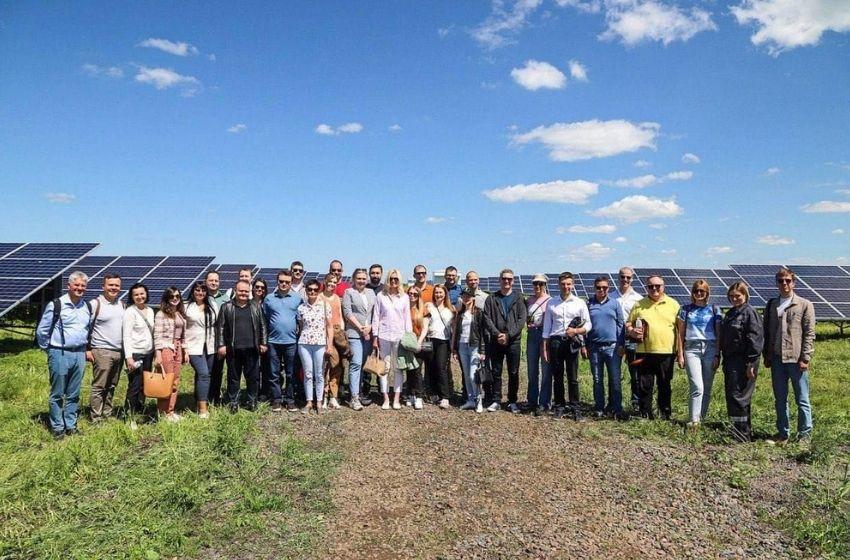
<point x="57" y="310"/>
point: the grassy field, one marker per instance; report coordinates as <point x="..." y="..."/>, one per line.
<point x="184" y="490"/>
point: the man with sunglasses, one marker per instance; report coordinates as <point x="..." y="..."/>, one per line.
<point x="505" y="315"/>
<point x="627" y="298"/>
<point x="297" y="270"/>
<point x="605" y="346"/>
<point x="789" y="337"/>
<point x="281" y="310"/>
<point x="656" y="345"/>
<point x="420" y="280"/>
<point x="335" y="268"/>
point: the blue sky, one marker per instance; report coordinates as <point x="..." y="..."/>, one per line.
<point x="540" y="134"/>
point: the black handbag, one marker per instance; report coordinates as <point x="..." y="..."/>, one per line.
<point x="426" y="349"/>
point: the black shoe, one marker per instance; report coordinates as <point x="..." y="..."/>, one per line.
<point x="559" y="412"/>
<point x="72" y="432"/>
<point x="264" y="398"/>
<point x="58" y="435"/>
<point x="251" y="407"/>
<point x="665" y="416"/>
<point x="365" y="400"/>
<point x="276" y="406"/>
<point x="234" y="408"/>
<point x="577" y="415"/>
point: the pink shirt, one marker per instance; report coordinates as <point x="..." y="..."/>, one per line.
<point x="391" y="317"/>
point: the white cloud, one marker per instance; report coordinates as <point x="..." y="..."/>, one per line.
<point x="211" y="57"/>
<point x="504" y="22"/>
<point x="60" y="197"/>
<point x="565" y="192"/>
<point x="395" y="128"/>
<point x="347" y="128"/>
<point x="637" y="21"/>
<point x="591" y="139"/>
<point x="435" y="220"/>
<point x="638" y="207"/>
<point x="690" y="158"/>
<point x="786" y="24"/>
<point x="658" y="226"/>
<point x="443" y="32"/>
<point x="489" y="85"/>
<point x="641" y="163"/>
<point x="838" y="231"/>
<point x="578" y="71"/>
<point x="538" y="75"/>
<point x="178" y="49"/>
<point x="586" y="6"/>
<point x="774" y="240"/>
<point x="843" y="191"/>
<point x="772" y="171"/>
<point x="636" y="182"/>
<point x="108" y="71"/>
<point x="165" y="78"/>
<point x="679" y="176"/>
<point x="591" y="251"/>
<point x="238" y="128"/>
<point x="826" y="207"/>
<point x="719" y="250"/>
<point x="620" y="239"/>
<point x="607" y="228"/>
<point x="669" y="252"/>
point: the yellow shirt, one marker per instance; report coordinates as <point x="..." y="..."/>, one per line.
<point x="661" y="317"/>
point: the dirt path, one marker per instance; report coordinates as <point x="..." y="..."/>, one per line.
<point x="451" y="484"/>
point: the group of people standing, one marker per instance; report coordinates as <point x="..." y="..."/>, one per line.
<point x="294" y="345"/>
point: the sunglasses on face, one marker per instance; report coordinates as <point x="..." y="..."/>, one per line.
<point x="654" y="286"/>
<point x="418" y="272"/>
<point x="414" y="294"/>
<point x="284" y="281"/>
<point x="312" y="290"/>
<point x="539" y="283"/>
<point x="393" y="279"/>
<point x="600" y="287"/>
<point x="506" y="279"/>
<point x="263" y="288"/>
<point x="785" y="281"/>
<point x="297" y="270"/>
<point x="699" y="292"/>
<point x="624" y="277"/>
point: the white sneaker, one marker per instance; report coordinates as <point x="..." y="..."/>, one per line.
<point x="203" y="415"/>
<point x="479" y="408"/>
<point x="409" y="401"/>
<point x="468" y="405"/>
<point x="444" y="403"/>
<point x="333" y="403"/>
<point x="513" y="408"/>
<point x="417" y="404"/>
<point x="386" y="405"/>
<point x="495" y="407"/>
<point x="133" y="426"/>
<point x="173" y="417"/>
<point x="355" y="404"/>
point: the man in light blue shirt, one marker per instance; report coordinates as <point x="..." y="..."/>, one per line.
<point x="604" y="345"/>
<point x="64" y="338"/>
<point x="281" y="311"/>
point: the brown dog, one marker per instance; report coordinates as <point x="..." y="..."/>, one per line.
<point x="336" y="362"/>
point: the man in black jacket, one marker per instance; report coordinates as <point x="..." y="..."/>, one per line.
<point x="241" y="336"/>
<point x="505" y="315"/>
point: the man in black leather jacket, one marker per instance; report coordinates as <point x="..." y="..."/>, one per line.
<point x="504" y="318"/>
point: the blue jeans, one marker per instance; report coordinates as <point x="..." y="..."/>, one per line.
<point x="469" y="364"/>
<point x="313" y="360"/>
<point x="360" y="348"/>
<point x="699" y="357"/>
<point x="286" y="354"/>
<point x="202" y="364"/>
<point x="780" y="375"/>
<point x="604" y="356"/>
<point x="66" y="377"/>
<point x="539" y="375"/>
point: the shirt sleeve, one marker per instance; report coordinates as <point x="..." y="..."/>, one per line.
<point x="547" y="321"/>
<point x="376" y="315"/>
<point x="43" y="328"/>
<point x="158" y="331"/>
<point x="127" y="333"/>
<point x="584" y="313"/>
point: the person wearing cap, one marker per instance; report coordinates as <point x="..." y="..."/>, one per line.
<point x="627" y="297"/>
<point x="539" y="386"/>
<point x="468" y="336"/>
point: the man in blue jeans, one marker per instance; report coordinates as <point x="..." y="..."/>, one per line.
<point x="281" y="311"/>
<point x="63" y="332"/>
<point x="605" y="345"/>
<point x="789" y="337"/>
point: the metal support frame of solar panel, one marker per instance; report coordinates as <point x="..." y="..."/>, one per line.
<point x="179" y="272"/>
<point x="26" y="268"/>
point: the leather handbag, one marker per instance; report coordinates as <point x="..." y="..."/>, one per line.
<point x="374" y="364"/>
<point x="426" y="349"/>
<point x="157" y="383"/>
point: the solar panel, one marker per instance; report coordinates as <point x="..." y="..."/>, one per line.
<point x="71" y="251"/>
<point x="32" y="268"/>
<point x="176" y="271"/>
<point x="811" y="270"/>
<point x="819" y="283"/>
<point x="826" y="311"/>
<point x="663" y="272"/>
<point x="833" y="296"/>
<point x="725" y="273"/>
<point x="6" y="248"/>
<point x="756" y="269"/>
<point x="695" y="272"/>
<point x="236" y="267"/>
<point x="97" y="261"/>
<point x="149" y="262"/>
<point x="188" y="261"/>
<point x="842" y="308"/>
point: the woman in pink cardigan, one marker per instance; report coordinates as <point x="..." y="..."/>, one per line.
<point x="390" y="320"/>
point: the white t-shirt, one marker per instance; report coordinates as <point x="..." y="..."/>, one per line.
<point x="439" y="322"/>
<point x="783" y="305"/>
<point x="465" y="327"/>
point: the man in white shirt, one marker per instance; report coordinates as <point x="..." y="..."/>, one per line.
<point x="104" y="347"/>
<point x="566" y="318"/>
<point x="297" y="269"/>
<point x="627" y="299"/>
<point x="472" y="281"/>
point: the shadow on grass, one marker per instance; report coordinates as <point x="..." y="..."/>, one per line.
<point x="10" y="345"/>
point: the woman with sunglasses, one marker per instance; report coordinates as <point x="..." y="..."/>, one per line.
<point x="137" y="332"/>
<point x="169" y="339"/>
<point x="357" y="305"/>
<point x="468" y="347"/>
<point x="259" y="291"/>
<point x="314" y="320"/>
<point x="201" y="313"/>
<point x="539" y="386"/>
<point x="390" y="320"/>
<point x="419" y="323"/>
<point x="697" y="348"/>
<point x="439" y="315"/>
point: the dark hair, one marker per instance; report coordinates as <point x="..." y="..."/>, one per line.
<point x="299" y="263"/>
<point x="452" y="268"/>
<point x="260" y="281"/>
<point x="358" y="271"/>
<point x="202" y="286"/>
<point x="783" y="272"/>
<point x="110" y="276"/>
<point x="247" y="268"/>
<point x="284" y="272"/>
<point x="331" y="264"/>
<point x="165" y="305"/>
<point x="379" y="267"/>
<point x="565" y="275"/>
<point x="207" y="275"/>
<point x="136" y="286"/>
<point x="601" y="279"/>
<point x="313" y="282"/>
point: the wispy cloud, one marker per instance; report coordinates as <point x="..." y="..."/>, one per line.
<point x="690" y="158"/>
<point x="638" y="207"/>
<point x="105" y="71"/>
<point x="60" y="197"/>
<point x="620" y="239"/>
<point x="826" y="207"/>
<point x="578" y="71"/>
<point x="772" y="171"/>
<point x="590" y="252"/>
<point x="238" y="128"/>
<point x="395" y="128"/>
<point x="166" y="78"/>
<point x="668" y="252"/>
<point x="644" y="181"/>
<point x="170" y="47"/>
<point x="719" y="250"/>
<point x="539" y="75"/>
<point x="565" y="192"/>
<point x="783" y="25"/>
<point x="636" y="21"/>
<point x="838" y="231"/>
<point x="347" y="128"/>
<point x="642" y="163"/>
<point x="435" y="219"/>
<point x="506" y="19"/>
<point x="606" y="228"/>
<point x="591" y="139"/>
<point x="774" y="240"/>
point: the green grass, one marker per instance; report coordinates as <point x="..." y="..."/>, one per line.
<point x="162" y="491"/>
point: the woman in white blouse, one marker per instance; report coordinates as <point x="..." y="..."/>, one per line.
<point x="138" y="346"/>
<point x="539" y="376"/>
<point x="390" y="320"/>
<point x="439" y="316"/>
<point x="201" y="313"/>
<point x="315" y="338"/>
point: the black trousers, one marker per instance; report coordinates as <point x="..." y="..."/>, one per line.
<point x="265" y="388"/>
<point x="414" y="382"/>
<point x="243" y="362"/>
<point x="739" y="394"/>
<point x="135" y="400"/>
<point x="439" y="383"/>
<point x="633" y="377"/>
<point x="655" y="367"/>
<point x="216" y="374"/>
<point x="563" y="360"/>
<point x="496" y="355"/>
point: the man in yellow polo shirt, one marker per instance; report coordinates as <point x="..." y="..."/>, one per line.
<point x="652" y="323"/>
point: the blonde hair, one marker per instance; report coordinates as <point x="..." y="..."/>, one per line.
<point x="390" y="272"/>
<point x="700" y="284"/>
<point x="741" y="288"/>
